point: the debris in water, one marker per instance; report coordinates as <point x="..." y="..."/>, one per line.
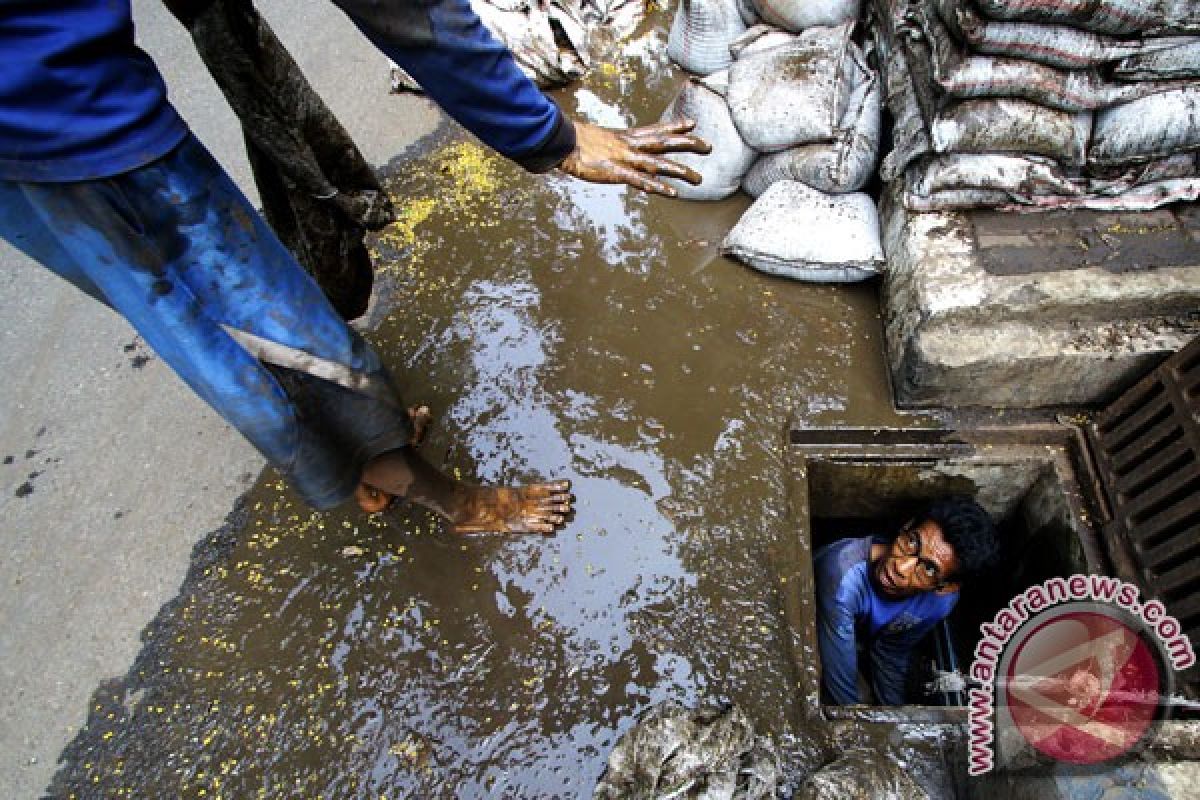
<point x="674" y="752"/>
<point x="862" y="775"/>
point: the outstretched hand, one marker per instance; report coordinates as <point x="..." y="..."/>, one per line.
<point x="604" y="155"/>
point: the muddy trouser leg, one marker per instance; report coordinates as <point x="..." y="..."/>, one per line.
<point x="177" y="250"/>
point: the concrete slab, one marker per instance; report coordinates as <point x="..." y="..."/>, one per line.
<point x="111" y="469"/>
<point x="1034" y="310"/>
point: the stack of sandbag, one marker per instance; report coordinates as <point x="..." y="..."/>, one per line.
<point x="793" y="112"/>
<point x="1029" y="104"/>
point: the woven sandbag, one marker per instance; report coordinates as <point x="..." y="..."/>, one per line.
<point x="759" y="37"/>
<point x="791" y="94"/>
<point x="962" y="75"/>
<point x="798" y="15"/>
<point x="1150" y="128"/>
<point x="1101" y="16"/>
<point x="748" y="12"/>
<point x="991" y="171"/>
<point x="1008" y="125"/>
<point x="701" y="32"/>
<point x="1116" y="179"/>
<point x="1143" y="197"/>
<point x="844" y="165"/>
<point x="723" y="168"/>
<point x="989" y="180"/>
<point x="798" y="232"/>
<point x="910" y="132"/>
<point x="1055" y="45"/>
<point x="1169" y="63"/>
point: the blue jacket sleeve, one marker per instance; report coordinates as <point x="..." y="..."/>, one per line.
<point x="836" y="639"/>
<point x="445" y="47"/>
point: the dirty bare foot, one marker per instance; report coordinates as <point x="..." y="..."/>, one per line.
<point x="536" y="508"/>
<point x="372" y="500"/>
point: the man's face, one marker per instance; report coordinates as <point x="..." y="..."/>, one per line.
<point x="918" y="560"/>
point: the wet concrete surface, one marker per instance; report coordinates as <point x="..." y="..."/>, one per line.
<point x="131" y="467"/>
<point x="557" y="330"/>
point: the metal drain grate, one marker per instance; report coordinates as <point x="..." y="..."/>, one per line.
<point x="1147" y="449"/>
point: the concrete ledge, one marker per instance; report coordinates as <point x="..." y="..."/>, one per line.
<point x="1034" y="310"/>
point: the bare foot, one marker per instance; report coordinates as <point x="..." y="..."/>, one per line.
<point x="372" y="500"/>
<point x="536" y="508"/>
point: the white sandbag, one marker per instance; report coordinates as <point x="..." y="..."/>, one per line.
<point x="718" y="82"/>
<point x="910" y="132"/>
<point x="961" y="75"/>
<point x="1008" y="125"/>
<point x="1175" y="62"/>
<point x="748" y="12"/>
<point x="959" y="182"/>
<point x="1153" y="127"/>
<point x="955" y="200"/>
<point x="798" y="232"/>
<point x="1056" y="45"/>
<point x="1143" y="197"/>
<point x="1119" y="179"/>
<point x="1101" y="16"/>
<point x="759" y="37"/>
<point x="990" y="76"/>
<point x="723" y="168"/>
<point x="846" y="164"/>
<point x="1140" y="198"/>
<point x="798" y="15"/>
<point x="701" y="32"/>
<point x="791" y="94"/>
<point x="990" y="171"/>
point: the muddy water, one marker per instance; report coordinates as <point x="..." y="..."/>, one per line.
<point x="556" y="329"/>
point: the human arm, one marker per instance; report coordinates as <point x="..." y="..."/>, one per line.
<point x="444" y="46"/>
<point x="837" y="642"/>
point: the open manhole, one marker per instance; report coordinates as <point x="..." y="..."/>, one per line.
<point x="1039" y="483"/>
<point x="855" y="482"/>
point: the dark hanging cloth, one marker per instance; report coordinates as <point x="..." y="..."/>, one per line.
<point x="318" y="192"/>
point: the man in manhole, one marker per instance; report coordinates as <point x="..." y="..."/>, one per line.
<point x="882" y="596"/>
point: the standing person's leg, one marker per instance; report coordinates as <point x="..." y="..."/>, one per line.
<point x="21" y="227"/>
<point x="177" y="250"/>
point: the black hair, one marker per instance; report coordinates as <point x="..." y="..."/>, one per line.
<point x="970" y="531"/>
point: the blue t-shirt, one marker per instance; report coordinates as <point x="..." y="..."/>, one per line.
<point x="850" y="610"/>
<point x="79" y="100"/>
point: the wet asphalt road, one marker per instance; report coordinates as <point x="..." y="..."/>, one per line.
<point x="110" y="468"/>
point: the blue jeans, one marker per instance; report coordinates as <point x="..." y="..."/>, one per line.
<point x="176" y="249"/>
